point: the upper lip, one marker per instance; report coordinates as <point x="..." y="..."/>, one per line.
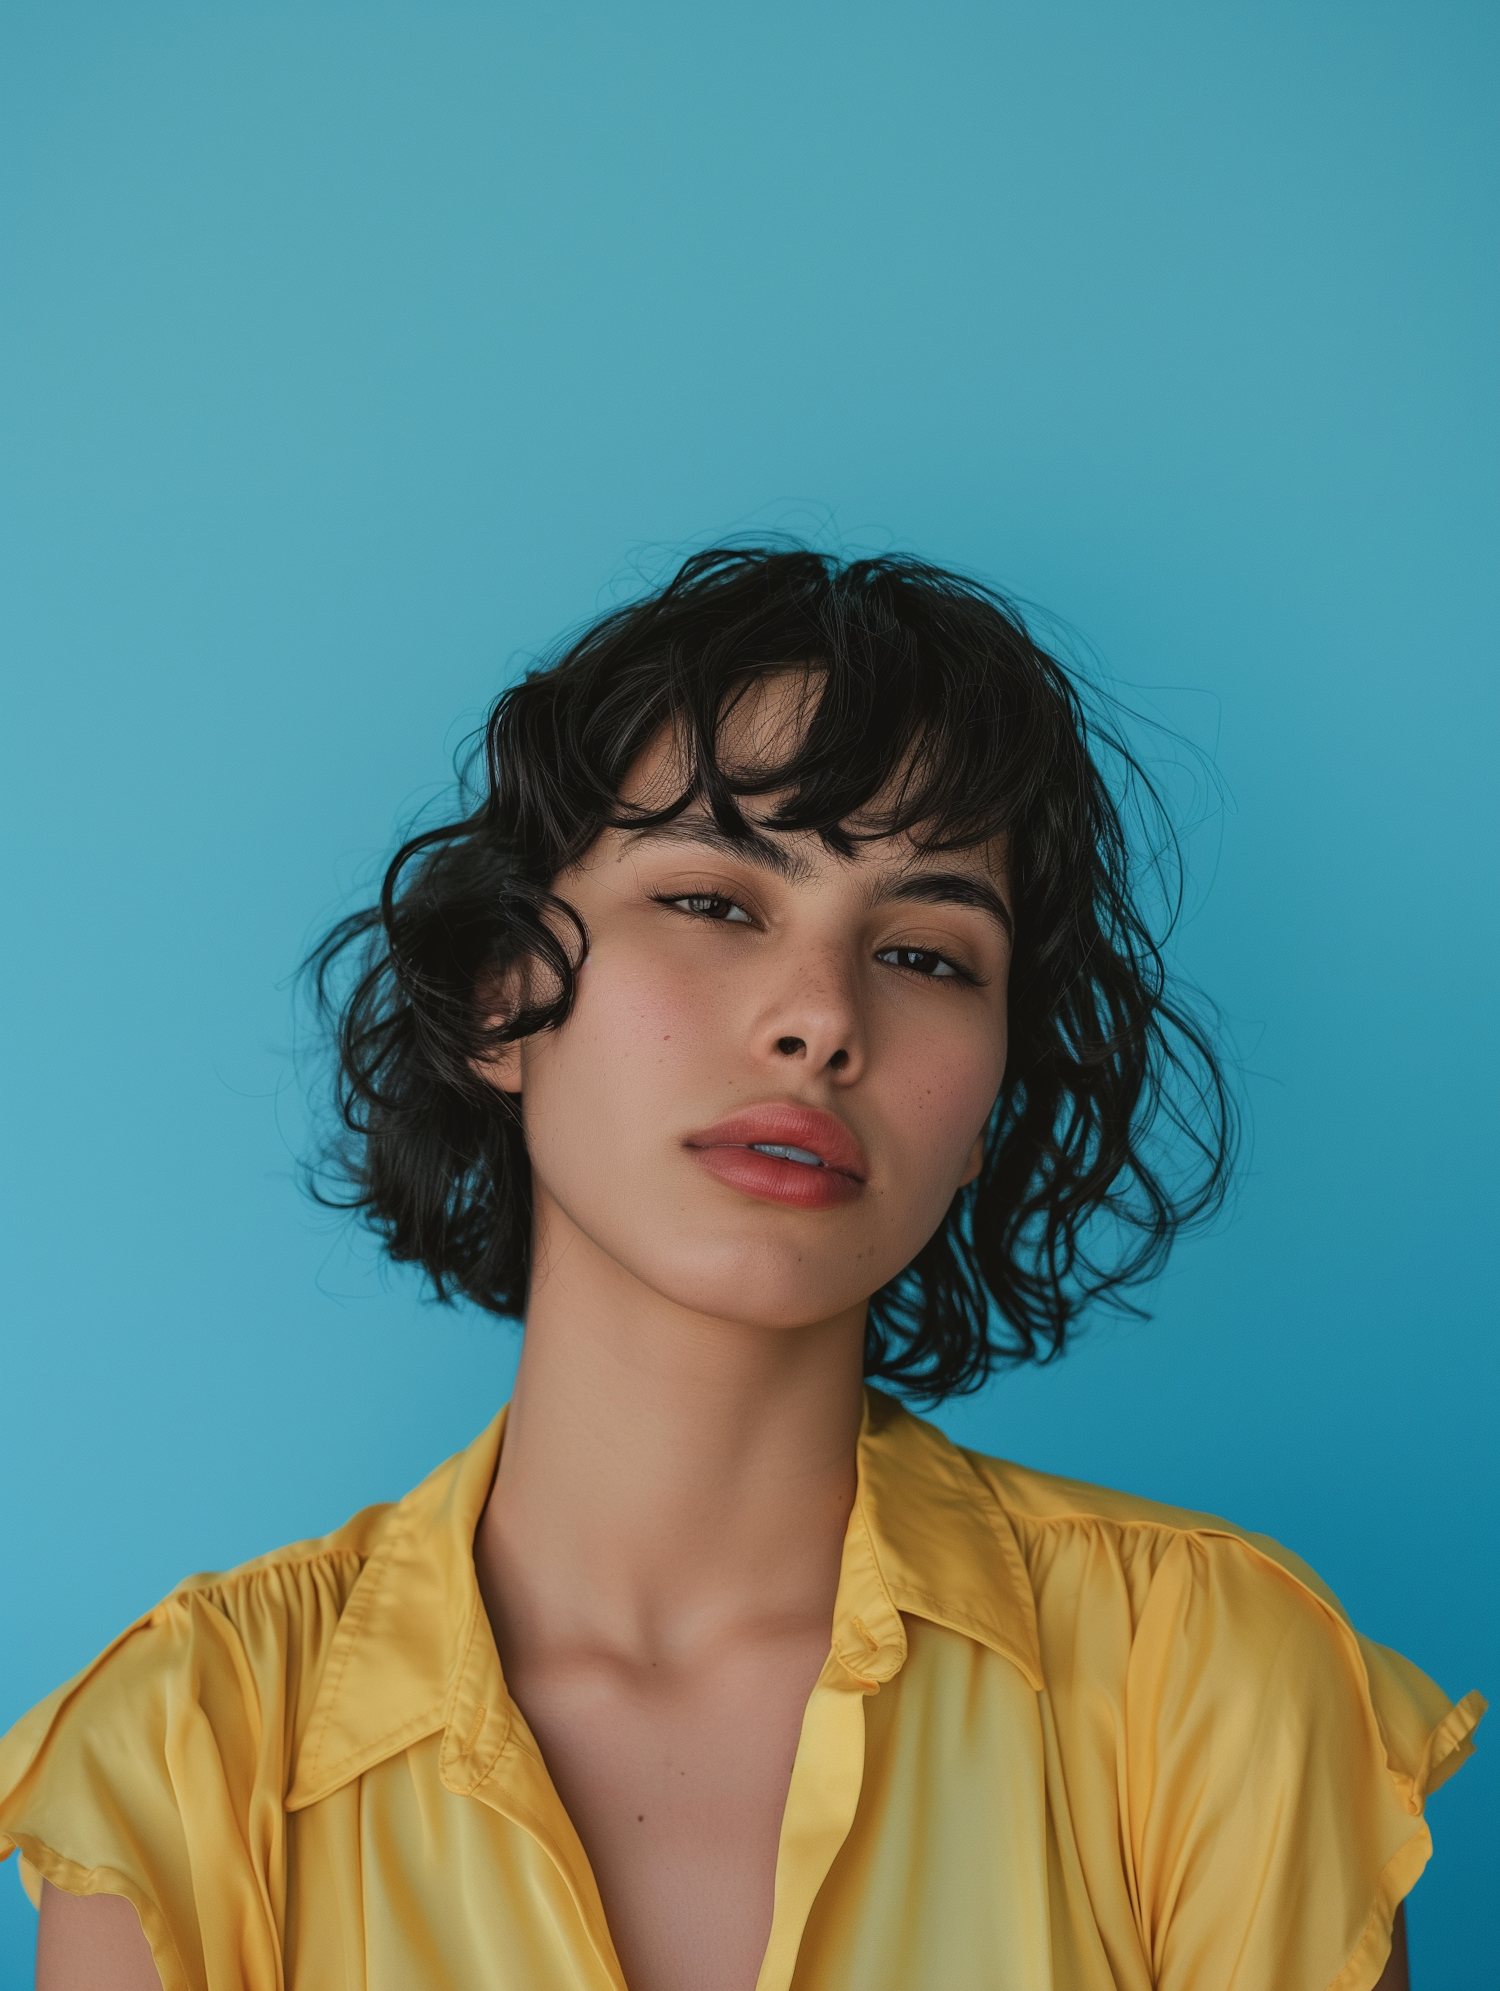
<point x="785" y="1123"/>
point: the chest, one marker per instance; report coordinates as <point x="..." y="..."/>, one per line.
<point x="915" y="1840"/>
<point x="676" y="1782"/>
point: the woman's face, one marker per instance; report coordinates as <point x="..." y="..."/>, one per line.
<point x="735" y="1000"/>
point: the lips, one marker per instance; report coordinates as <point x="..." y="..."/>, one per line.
<point x="734" y="1150"/>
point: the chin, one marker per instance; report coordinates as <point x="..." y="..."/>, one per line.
<point x="767" y="1288"/>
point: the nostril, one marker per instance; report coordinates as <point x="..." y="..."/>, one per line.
<point x="790" y="1046"/>
<point x="838" y="1061"/>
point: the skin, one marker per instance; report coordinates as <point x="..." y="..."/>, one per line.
<point x="660" y="1551"/>
<point x="91" y="1942"/>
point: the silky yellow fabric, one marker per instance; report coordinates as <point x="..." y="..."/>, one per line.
<point x="1063" y="1738"/>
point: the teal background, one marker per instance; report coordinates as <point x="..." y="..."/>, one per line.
<point x="351" y="352"/>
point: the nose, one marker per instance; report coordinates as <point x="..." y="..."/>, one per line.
<point x="813" y="1021"/>
<point x="796" y="1047"/>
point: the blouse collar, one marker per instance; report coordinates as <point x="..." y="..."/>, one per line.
<point x="413" y="1654"/>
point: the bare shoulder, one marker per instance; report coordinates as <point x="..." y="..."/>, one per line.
<point x="91" y="1942"/>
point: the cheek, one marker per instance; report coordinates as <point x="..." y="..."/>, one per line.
<point x="641" y="1011"/>
<point x="639" y="1026"/>
<point x="943" y="1088"/>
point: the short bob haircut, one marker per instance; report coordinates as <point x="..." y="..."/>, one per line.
<point x="932" y="713"/>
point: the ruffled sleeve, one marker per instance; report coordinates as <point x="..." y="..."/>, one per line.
<point x="1277" y="1765"/>
<point x="159" y="1772"/>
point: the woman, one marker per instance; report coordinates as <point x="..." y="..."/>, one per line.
<point x="781" y="1018"/>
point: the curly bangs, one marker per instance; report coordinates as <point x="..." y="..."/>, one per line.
<point x="929" y="711"/>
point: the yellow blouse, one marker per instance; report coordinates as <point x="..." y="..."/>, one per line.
<point x="1062" y="1738"/>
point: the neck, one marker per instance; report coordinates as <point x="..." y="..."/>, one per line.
<point x="665" y="1473"/>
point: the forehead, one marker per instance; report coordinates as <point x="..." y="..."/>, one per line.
<point x="761" y="731"/>
<point x="761" y="727"/>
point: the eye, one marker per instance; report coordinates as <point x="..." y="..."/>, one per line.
<point x="710" y="905"/>
<point x="923" y="961"/>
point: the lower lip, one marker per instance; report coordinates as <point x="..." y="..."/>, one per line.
<point x="796" y="1183"/>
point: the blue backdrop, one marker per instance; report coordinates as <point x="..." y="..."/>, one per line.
<point x="351" y="351"/>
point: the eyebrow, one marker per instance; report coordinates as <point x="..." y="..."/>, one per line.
<point x="756" y="848"/>
<point x="951" y="888"/>
<point x="926" y="888"/>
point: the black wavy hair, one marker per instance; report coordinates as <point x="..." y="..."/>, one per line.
<point x="934" y="713"/>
